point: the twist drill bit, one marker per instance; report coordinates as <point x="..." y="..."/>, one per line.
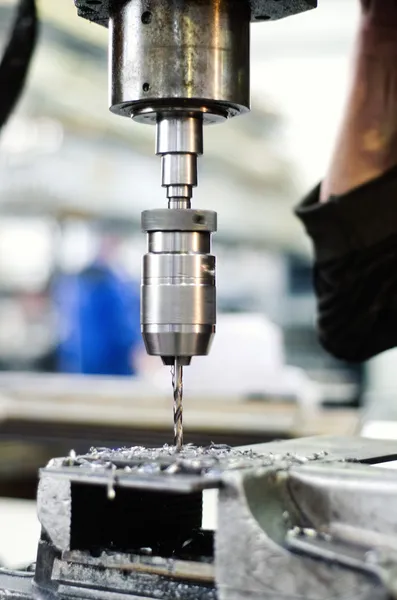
<point x="177" y="384"/>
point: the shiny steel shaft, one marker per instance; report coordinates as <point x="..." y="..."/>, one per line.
<point x="177" y="384"/>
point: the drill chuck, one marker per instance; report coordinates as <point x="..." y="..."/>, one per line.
<point x="178" y="293"/>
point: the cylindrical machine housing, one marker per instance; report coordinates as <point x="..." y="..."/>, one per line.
<point x="168" y="55"/>
<point x="178" y="294"/>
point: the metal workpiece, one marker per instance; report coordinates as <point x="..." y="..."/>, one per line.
<point x="160" y="470"/>
<point x="172" y="56"/>
<point x="67" y="483"/>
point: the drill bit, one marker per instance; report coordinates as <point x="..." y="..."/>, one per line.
<point x="177" y="384"/>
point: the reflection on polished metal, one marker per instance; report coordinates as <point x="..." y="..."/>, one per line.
<point x="179" y="142"/>
<point x="178" y="302"/>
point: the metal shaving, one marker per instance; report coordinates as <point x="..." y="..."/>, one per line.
<point x="208" y="461"/>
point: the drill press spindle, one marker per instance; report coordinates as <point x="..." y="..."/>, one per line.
<point x="179" y="66"/>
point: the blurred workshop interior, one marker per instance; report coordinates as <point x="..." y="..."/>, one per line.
<point x="73" y="182"/>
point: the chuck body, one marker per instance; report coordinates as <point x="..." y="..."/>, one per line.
<point x="178" y="293"/>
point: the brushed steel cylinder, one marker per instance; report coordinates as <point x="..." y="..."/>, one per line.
<point x="179" y="192"/>
<point x="189" y="242"/>
<point x="182" y="134"/>
<point x="179" y="170"/>
<point x="184" y="301"/>
<point x="178" y="293"/>
<point x="179" y="268"/>
<point x="168" y="56"/>
<point x="179" y="141"/>
<point x="177" y="200"/>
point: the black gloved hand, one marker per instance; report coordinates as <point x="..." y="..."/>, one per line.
<point x="17" y="57"/>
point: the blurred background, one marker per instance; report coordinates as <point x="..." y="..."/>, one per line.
<point x="73" y="182"/>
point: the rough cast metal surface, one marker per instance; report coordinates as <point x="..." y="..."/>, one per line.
<point x="97" y="11"/>
<point x="340" y="498"/>
<point x="260" y="567"/>
<point x="102" y="580"/>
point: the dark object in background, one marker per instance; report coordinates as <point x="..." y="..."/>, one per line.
<point x="355" y="267"/>
<point x="17" y="57"/>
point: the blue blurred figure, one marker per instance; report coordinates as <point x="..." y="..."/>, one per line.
<point x="99" y="321"/>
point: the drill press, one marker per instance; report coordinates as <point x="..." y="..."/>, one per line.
<point x="180" y="64"/>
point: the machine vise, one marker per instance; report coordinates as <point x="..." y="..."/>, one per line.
<point x="310" y="518"/>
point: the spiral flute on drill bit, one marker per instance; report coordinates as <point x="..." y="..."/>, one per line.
<point x="177" y="384"/>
